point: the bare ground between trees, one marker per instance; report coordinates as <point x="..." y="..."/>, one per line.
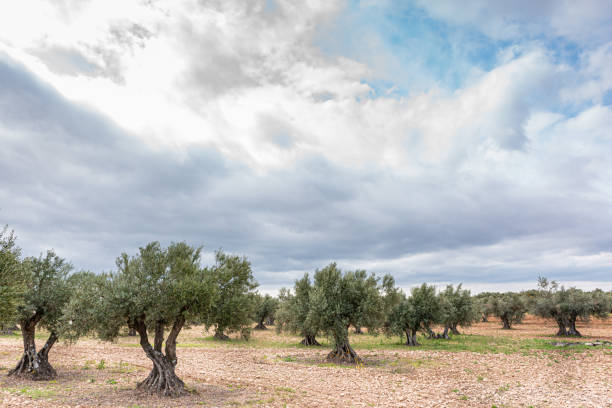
<point x="271" y="372"/>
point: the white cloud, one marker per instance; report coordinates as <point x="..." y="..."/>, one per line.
<point x="495" y="176"/>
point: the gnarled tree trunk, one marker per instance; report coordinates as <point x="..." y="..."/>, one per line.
<point x="162" y="379"/>
<point x="485" y="317"/>
<point x="219" y="335"/>
<point x="358" y="330"/>
<point x="411" y="339"/>
<point x="310" y="340"/>
<point x="34" y="365"/>
<point x="453" y="328"/>
<point x="445" y="333"/>
<point x="562" y="327"/>
<point x="572" y="331"/>
<point x="343" y="353"/>
<point x="261" y="325"/>
<point x="506" y="322"/>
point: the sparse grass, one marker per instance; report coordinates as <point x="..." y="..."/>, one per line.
<point x="34" y="393"/>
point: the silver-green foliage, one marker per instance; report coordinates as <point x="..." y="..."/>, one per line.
<point x="416" y="313"/>
<point x="12" y="283"/>
<point x="294" y="310"/>
<point x="233" y="308"/>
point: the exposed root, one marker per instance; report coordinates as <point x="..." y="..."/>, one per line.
<point x="163" y="382"/>
<point x="37" y="369"/>
<point x="344" y="354"/>
<point x="221" y="336"/>
<point x="310" y="341"/>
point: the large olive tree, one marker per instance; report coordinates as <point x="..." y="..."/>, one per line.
<point x="340" y="299"/>
<point x="40" y="305"/>
<point x="154" y="292"/>
<point x="566" y="306"/>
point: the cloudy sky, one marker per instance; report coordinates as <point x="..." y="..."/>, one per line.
<point x="439" y="141"/>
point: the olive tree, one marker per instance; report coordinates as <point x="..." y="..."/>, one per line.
<point x="12" y="283"/>
<point x="484" y="305"/>
<point x="234" y="305"/>
<point x="392" y="296"/>
<point x="339" y="299"/>
<point x="509" y="307"/>
<point x="41" y="303"/>
<point x="367" y="314"/>
<point x="294" y="312"/>
<point x="265" y="307"/>
<point x="157" y="290"/>
<point x="565" y="306"/>
<point x="416" y="313"/>
<point x="457" y="309"/>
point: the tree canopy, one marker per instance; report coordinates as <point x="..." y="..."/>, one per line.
<point x="294" y="311"/>
<point x="12" y="282"/>
<point x="233" y="307"/>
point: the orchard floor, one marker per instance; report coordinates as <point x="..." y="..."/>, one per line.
<point x="484" y="367"/>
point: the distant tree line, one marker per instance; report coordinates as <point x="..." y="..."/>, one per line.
<point x="158" y="291"/>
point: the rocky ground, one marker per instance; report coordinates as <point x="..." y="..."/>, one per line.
<point x="270" y="371"/>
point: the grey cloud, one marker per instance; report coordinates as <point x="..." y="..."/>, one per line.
<point x="73" y="180"/>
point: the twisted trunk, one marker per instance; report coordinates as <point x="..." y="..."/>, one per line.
<point x="161" y="380"/>
<point x="261" y="325"/>
<point x="562" y="327"/>
<point x="219" y="335"/>
<point x="572" y="331"/>
<point x="34" y="365"/>
<point x="453" y="328"/>
<point x="358" y="330"/>
<point x="431" y="334"/>
<point x="445" y="333"/>
<point x="506" y="322"/>
<point x="411" y="339"/>
<point x="343" y="352"/>
<point x="310" y="340"/>
<point x="485" y="317"/>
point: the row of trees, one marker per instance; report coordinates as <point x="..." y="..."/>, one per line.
<point x="334" y="301"/>
<point x="155" y="293"/>
<point x="158" y="291"/>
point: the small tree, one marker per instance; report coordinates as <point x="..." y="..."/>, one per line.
<point x="339" y="299"/>
<point x="370" y="312"/>
<point x="265" y="307"/>
<point x="392" y="296"/>
<point x="484" y="305"/>
<point x="457" y="308"/>
<point x="294" y="312"/>
<point x="416" y="313"/>
<point x="510" y="308"/>
<point x="12" y="284"/>
<point x="158" y="289"/>
<point x="47" y="291"/>
<point x="233" y="308"/>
